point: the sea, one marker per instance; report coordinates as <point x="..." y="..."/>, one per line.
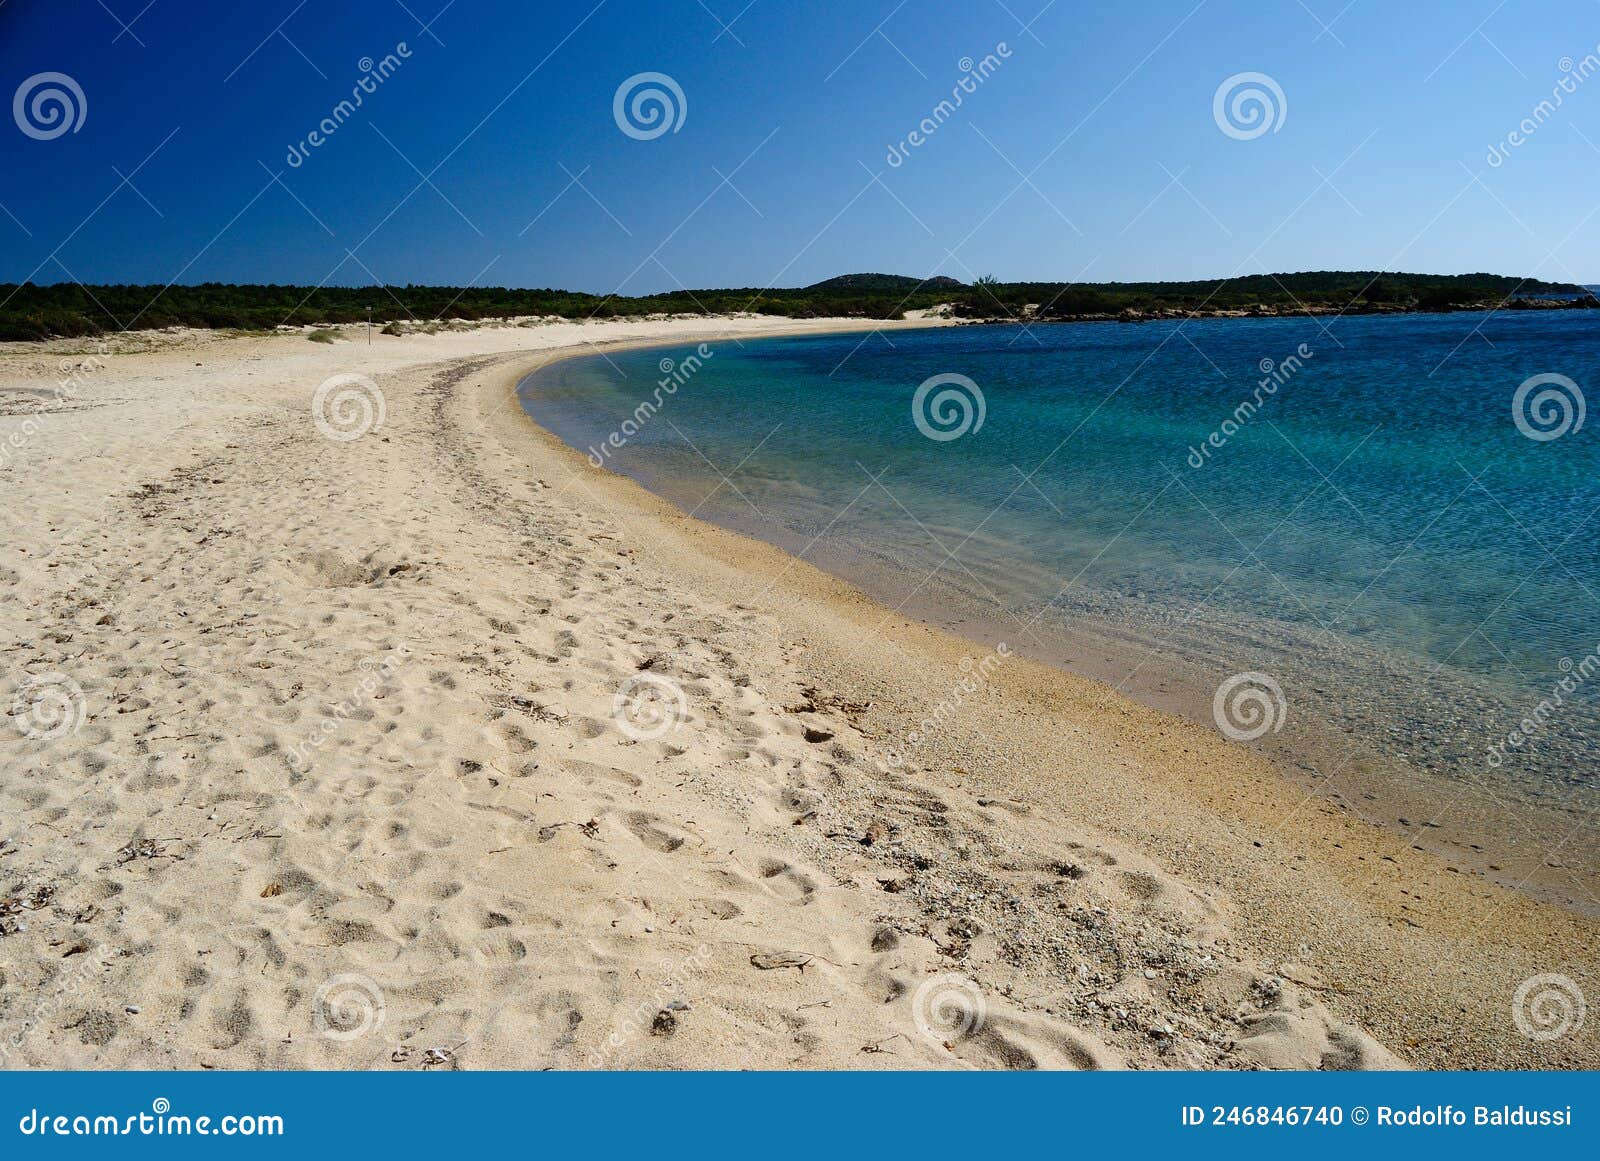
<point x="1368" y="545"/>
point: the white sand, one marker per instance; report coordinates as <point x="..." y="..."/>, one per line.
<point x="475" y="866"/>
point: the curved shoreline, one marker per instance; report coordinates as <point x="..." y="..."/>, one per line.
<point x="1487" y="831"/>
<point x="468" y="826"/>
<point x="1413" y="935"/>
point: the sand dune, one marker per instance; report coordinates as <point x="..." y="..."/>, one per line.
<point x="437" y="748"/>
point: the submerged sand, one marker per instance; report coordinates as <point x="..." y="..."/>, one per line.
<point x="316" y="762"/>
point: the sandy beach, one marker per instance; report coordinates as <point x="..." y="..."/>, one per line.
<point x="324" y="755"/>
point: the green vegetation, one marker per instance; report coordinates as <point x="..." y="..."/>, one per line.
<point x="1359" y="291"/>
<point x="67" y="309"/>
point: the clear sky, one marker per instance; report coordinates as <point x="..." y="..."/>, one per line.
<point x="1091" y="150"/>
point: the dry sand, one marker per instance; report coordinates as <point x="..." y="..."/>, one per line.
<point x="344" y="786"/>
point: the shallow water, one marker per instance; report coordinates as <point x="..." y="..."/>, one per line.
<point x="1378" y="535"/>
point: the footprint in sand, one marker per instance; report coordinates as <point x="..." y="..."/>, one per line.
<point x="593" y="773"/>
<point x="782" y="881"/>
<point x="653" y="832"/>
<point x="723" y="909"/>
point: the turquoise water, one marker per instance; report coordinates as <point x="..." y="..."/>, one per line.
<point x="1378" y="535"/>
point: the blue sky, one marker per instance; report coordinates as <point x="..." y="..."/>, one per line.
<point x="1090" y="153"/>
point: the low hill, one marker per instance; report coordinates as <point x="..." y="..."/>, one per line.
<point x="883" y="284"/>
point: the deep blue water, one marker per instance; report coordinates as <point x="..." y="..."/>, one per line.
<point x="1379" y="535"/>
